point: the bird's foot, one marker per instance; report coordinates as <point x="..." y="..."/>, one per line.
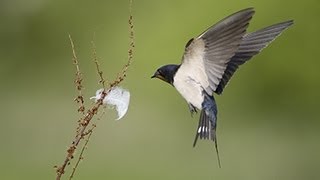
<point x="192" y="109"/>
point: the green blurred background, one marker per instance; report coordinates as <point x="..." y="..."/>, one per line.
<point x="268" y="115"/>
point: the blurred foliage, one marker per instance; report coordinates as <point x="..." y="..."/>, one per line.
<point x="268" y="114"/>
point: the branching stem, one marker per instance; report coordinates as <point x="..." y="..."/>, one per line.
<point x="86" y="118"/>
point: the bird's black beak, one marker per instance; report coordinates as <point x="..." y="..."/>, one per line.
<point x="156" y="75"/>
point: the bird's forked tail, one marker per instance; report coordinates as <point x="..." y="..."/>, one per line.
<point x="208" y="122"/>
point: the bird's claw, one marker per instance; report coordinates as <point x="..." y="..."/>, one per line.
<point x="192" y="109"/>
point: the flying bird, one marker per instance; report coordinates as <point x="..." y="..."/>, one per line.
<point x="210" y="60"/>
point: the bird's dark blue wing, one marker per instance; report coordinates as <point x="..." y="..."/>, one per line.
<point x="251" y="45"/>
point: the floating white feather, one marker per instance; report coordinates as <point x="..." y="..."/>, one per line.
<point x="117" y="97"/>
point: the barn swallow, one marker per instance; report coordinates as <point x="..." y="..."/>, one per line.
<point x="210" y="60"/>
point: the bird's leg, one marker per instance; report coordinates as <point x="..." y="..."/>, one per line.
<point x="192" y="109"/>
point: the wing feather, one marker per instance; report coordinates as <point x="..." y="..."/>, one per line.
<point x="251" y="45"/>
<point x="208" y="54"/>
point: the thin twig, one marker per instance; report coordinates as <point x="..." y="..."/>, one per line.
<point x="95" y="60"/>
<point x="80" y="135"/>
<point x="121" y="76"/>
<point x="78" y="80"/>
<point x="90" y="131"/>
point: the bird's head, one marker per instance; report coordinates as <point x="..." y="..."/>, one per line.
<point x="166" y="73"/>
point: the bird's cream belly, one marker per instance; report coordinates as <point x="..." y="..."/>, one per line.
<point x="190" y="90"/>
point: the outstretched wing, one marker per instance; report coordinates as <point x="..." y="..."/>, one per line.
<point x="251" y="45"/>
<point x="207" y="56"/>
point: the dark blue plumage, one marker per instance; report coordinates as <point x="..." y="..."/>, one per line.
<point x="166" y="73"/>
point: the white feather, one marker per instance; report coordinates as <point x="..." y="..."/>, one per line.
<point x="117" y="97"/>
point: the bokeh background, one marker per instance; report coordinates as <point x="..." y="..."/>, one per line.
<point x="268" y="115"/>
